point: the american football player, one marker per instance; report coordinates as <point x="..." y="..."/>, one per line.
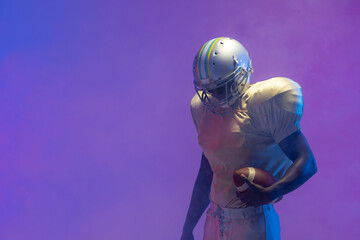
<point x="243" y="125"/>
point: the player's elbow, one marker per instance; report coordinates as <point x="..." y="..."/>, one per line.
<point x="308" y="163"/>
<point x="312" y="168"/>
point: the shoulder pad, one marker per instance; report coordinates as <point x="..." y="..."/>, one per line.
<point x="263" y="91"/>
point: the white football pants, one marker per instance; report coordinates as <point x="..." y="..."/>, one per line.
<point x="260" y="223"/>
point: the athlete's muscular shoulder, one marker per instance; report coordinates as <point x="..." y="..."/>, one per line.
<point x="282" y="90"/>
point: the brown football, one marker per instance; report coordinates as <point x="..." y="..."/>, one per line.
<point x="256" y="175"/>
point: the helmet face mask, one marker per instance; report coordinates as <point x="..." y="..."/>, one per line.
<point x="224" y="98"/>
<point x="222" y="71"/>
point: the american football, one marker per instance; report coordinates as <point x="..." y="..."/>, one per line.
<point x="256" y="175"/>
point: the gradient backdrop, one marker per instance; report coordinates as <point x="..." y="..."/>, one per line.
<point x="96" y="137"/>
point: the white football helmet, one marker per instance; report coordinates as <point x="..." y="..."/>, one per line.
<point x="222" y="71"/>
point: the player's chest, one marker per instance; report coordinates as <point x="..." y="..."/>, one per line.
<point x="219" y="132"/>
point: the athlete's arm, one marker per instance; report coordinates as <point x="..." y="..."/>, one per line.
<point x="297" y="149"/>
<point x="199" y="198"/>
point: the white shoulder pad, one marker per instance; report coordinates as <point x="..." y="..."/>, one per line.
<point x="197" y="109"/>
<point x="263" y="91"/>
<point x="195" y="102"/>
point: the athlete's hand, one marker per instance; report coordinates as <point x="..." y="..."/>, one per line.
<point x="257" y="195"/>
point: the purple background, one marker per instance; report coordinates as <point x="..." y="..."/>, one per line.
<point x="96" y="137"/>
